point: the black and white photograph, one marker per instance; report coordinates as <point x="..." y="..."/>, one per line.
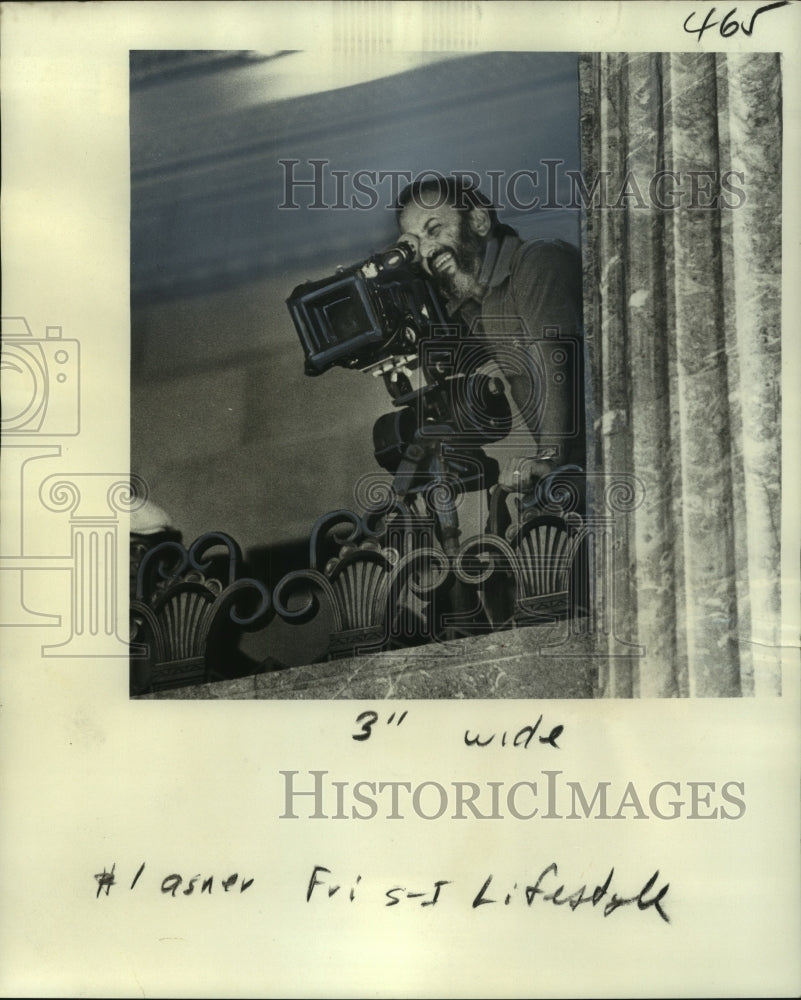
<point x="467" y="367"/>
<point x="399" y="550"/>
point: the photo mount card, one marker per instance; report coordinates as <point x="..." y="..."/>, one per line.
<point x="233" y="765"/>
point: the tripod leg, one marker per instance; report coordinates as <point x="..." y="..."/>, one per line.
<point x="458" y="612"/>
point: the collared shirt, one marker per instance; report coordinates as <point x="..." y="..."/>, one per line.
<point x="529" y="317"/>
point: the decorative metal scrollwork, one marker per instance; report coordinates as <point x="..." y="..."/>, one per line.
<point x="380" y="580"/>
<point x="375" y="583"/>
<point x="384" y="581"/>
<point x="188" y="611"/>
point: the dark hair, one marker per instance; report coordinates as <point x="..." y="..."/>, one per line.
<point x="451" y="190"/>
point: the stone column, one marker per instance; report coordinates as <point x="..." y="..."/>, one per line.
<point x="682" y="281"/>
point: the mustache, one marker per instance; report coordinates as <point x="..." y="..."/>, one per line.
<point x="430" y="260"/>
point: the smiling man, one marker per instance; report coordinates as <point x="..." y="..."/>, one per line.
<point x="523" y="301"/>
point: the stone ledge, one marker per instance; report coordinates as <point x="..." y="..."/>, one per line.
<point x="541" y="661"/>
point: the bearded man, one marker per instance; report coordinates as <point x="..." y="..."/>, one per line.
<point x="523" y="302"/>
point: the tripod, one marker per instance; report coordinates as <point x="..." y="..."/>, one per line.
<point x="431" y="444"/>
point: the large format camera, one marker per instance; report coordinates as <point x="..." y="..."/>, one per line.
<point x="366" y="314"/>
<point x="385" y="317"/>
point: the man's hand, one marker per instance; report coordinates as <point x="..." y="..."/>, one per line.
<point x="521" y="475"/>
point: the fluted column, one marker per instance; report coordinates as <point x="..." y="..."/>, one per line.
<point x="682" y="281"/>
<point x="98" y="608"/>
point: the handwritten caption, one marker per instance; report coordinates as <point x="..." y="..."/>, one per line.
<point x="523" y="737"/>
<point x="547" y="888"/>
<point x="174" y="883"/>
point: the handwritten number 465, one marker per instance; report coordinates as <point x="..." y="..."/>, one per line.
<point x="729" y="26"/>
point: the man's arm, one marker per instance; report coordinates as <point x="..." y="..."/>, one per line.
<point x="545" y="293"/>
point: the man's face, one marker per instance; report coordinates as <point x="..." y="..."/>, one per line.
<point x="451" y="249"/>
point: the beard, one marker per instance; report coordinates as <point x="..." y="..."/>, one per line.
<point x="468" y="255"/>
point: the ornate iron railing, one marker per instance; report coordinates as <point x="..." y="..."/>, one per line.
<point x="188" y="610"/>
<point x="381" y="579"/>
<point x="385" y="580"/>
